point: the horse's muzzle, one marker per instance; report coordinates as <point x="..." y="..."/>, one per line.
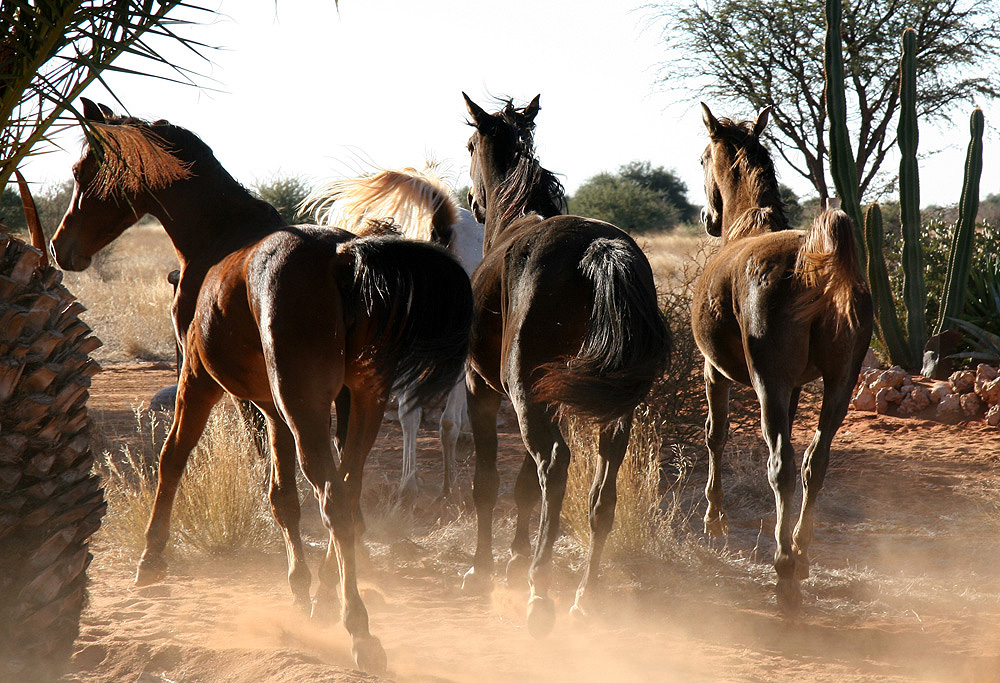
<point x="67" y="258"/>
<point x="712" y="226"/>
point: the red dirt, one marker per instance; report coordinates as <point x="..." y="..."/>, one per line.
<point x="905" y="581"/>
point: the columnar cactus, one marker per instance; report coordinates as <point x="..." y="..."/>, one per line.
<point x="905" y="348"/>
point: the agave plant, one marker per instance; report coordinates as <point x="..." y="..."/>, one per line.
<point x="50" y="503"/>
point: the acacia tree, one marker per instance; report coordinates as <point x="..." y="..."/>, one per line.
<point x="771" y="54"/>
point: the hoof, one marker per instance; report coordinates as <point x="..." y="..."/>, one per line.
<point x="150" y="571"/>
<point x="578" y="614"/>
<point x="541" y="616"/>
<point x="517" y="570"/>
<point x="476" y="584"/>
<point x="716" y="526"/>
<point x="789" y="597"/>
<point x="369" y="655"/>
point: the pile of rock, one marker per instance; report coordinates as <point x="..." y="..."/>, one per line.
<point x="966" y="395"/>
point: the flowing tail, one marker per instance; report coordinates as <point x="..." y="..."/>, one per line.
<point x="420" y="301"/>
<point x="419" y="202"/>
<point x="628" y="343"/>
<point x="828" y="264"/>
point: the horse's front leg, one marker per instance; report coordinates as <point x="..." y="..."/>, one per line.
<point x="717" y="388"/>
<point x="612" y="445"/>
<point x="409" y="419"/>
<point x="483" y="406"/>
<point x="451" y="427"/>
<point x="774" y="408"/>
<point x="197" y="393"/>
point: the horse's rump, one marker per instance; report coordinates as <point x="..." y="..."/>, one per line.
<point x="421" y="303"/>
<point x="828" y="262"/>
<point x="627" y="344"/>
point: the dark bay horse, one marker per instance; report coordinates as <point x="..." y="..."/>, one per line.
<point x="565" y="322"/>
<point x="774" y="309"/>
<point x="290" y="318"/>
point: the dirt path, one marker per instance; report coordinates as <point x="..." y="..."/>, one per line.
<point x="905" y="583"/>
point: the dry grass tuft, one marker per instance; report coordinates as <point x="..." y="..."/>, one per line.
<point x="649" y="522"/>
<point x="221" y="506"/>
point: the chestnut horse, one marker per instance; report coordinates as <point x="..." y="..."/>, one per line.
<point x="774" y="309"/>
<point x="421" y="206"/>
<point x="289" y="318"/>
<point x="566" y="322"/>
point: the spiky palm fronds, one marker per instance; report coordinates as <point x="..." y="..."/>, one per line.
<point x="51" y="50"/>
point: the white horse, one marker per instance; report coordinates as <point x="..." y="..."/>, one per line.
<point x="421" y="206"/>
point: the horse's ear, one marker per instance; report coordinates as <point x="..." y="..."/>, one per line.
<point x="761" y="122"/>
<point x="711" y="123"/>
<point x="93" y="112"/>
<point x="480" y="117"/>
<point x="531" y="111"/>
<point x="107" y="111"/>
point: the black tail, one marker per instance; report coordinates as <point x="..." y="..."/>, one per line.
<point x="627" y="347"/>
<point x="421" y="302"/>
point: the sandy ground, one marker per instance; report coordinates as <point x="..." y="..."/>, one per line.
<point x="905" y="582"/>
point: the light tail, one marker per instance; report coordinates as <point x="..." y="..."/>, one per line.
<point x="828" y="265"/>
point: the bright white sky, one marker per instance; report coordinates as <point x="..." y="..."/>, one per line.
<point x="305" y="90"/>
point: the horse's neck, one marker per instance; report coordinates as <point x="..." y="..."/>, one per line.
<point x="207" y="220"/>
<point x="755" y="209"/>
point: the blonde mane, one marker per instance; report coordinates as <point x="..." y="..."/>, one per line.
<point x="408" y="198"/>
<point x="133" y="158"/>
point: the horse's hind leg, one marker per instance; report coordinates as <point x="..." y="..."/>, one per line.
<point x="612" y="444"/>
<point x="483" y="406"/>
<point x="774" y="408"/>
<point x="284" y="497"/>
<point x="717" y="388"/>
<point x="310" y="426"/>
<point x="526" y="495"/>
<point x="836" y="397"/>
<point x="196" y="394"/>
<point x="544" y="441"/>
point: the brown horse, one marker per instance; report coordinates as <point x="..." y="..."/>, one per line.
<point x="565" y="322"/>
<point x="289" y="318"/>
<point x="774" y="309"/>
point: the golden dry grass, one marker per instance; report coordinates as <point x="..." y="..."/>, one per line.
<point x="128" y="297"/>
<point x="222" y="502"/>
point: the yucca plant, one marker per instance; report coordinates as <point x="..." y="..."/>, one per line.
<point x="50" y="502"/>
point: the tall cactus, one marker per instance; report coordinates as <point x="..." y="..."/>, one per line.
<point x="843" y="166"/>
<point x="914" y="288"/>
<point x="960" y="258"/>
<point x="904" y="347"/>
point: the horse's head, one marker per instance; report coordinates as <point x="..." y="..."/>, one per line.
<point x="498" y="143"/>
<point x="730" y="143"/>
<point x="122" y="160"/>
